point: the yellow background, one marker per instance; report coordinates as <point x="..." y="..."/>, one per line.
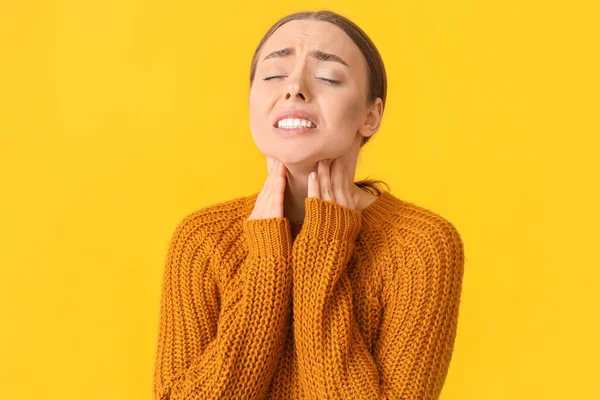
<point x="118" y="118"/>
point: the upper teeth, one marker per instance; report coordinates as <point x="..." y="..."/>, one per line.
<point x="294" y="123"/>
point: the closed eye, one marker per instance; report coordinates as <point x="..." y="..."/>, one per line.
<point x="283" y="76"/>
<point x="272" y="77"/>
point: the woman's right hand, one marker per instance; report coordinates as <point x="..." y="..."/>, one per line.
<point x="269" y="203"/>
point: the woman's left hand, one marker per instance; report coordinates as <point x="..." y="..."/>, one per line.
<point x="334" y="186"/>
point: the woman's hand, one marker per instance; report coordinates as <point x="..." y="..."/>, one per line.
<point x="335" y="187"/>
<point x="269" y="203"/>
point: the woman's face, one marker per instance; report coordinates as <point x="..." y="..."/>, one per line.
<point x="340" y="108"/>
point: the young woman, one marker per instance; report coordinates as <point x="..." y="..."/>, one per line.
<point x="316" y="287"/>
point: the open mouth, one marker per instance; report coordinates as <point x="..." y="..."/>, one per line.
<point x="295" y="123"/>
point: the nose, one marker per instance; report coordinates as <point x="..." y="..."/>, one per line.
<point x="290" y="94"/>
<point x="297" y="87"/>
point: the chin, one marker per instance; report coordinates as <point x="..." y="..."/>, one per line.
<point x="291" y="159"/>
<point x="291" y="155"/>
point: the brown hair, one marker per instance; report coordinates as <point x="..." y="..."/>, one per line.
<point x="377" y="80"/>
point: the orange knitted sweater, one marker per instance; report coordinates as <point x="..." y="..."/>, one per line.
<point x="349" y="304"/>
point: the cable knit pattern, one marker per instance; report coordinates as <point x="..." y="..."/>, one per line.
<point x="348" y="304"/>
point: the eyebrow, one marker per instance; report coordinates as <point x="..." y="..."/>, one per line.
<point x="317" y="54"/>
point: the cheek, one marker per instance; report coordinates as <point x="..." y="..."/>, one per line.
<point x="260" y="94"/>
<point x="253" y="100"/>
<point x="344" y="113"/>
<point x="257" y="108"/>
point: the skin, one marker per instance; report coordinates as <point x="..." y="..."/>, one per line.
<point x="343" y="113"/>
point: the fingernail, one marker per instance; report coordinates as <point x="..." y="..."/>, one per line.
<point x="313" y="176"/>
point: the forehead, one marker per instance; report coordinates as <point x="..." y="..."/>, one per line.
<point x="306" y="35"/>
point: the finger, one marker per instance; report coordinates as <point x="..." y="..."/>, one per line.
<point x="270" y="163"/>
<point x="272" y="176"/>
<point x="338" y="182"/>
<point x="272" y="169"/>
<point x="325" y="181"/>
<point x="276" y="185"/>
<point x="282" y="172"/>
<point x="313" y="185"/>
<point x="279" y="178"/>
<point x="266" y="185"/>
<point x="277" y="174"/>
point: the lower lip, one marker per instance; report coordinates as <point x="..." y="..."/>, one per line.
<point x="293" y="131"/>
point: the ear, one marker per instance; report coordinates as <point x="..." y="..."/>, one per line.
<point x="372" y="118"/>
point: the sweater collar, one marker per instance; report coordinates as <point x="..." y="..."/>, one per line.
<point x="374" y="214"/>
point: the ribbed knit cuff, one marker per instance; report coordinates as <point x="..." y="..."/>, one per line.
<point x="326" y="220"/>
<point x="268" y="238"/>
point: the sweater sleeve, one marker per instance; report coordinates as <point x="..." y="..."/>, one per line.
<point x="209" y="351"/>
<point x="412" y="353"/>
